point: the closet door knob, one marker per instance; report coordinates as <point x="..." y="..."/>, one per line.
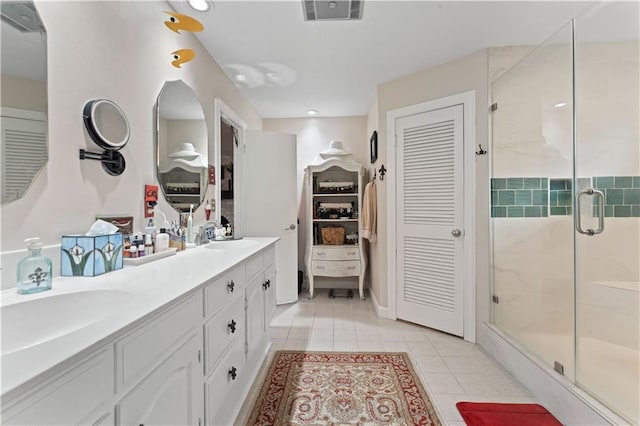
<point x="456" y="232"/>
<point x="290" y="227"/>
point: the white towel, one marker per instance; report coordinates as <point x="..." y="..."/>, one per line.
<point x="369" y="213"/>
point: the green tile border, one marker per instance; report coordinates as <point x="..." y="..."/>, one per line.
<point x="524" y="197"/>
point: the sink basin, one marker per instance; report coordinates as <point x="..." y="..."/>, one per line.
<point x="35" y="321"/>
<point x="232" y="244"/>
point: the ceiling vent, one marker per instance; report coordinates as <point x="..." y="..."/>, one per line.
<point x="22" y="16"/>
<point x="332" y="10"/>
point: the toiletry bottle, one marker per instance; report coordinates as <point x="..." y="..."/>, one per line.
<point x="126" y="245"/>
<point x="151" y="230"/>
<point x="148" y="245"/>
<point x="34" y="271"/>
<point x="133" y="252"/>
<point x="140" y="248"/>
<point x="207" y="211"/>
<point x="190" y="225"/>
<point x="162" y="241"/>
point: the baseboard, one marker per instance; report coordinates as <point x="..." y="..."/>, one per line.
<point x="381" y="311"/>
<point x="568" y="403"/>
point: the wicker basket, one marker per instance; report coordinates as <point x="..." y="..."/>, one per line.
<point x="333" y="235"/>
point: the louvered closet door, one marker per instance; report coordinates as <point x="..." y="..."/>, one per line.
<point x="429" y="211"/>
<point x="24" y="152"/>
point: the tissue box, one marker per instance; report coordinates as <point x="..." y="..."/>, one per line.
<point x="88" y="256"/>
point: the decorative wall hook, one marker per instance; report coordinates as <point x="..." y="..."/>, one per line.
<point x="482" y="151"/>
<point x="382" y="172"/>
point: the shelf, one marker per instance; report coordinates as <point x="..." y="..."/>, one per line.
<point x="335" y="220"/>
<point x="343" y="194"/>
<point x="183" y="195"/>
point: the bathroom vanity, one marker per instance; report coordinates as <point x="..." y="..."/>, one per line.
<point x="177" y="341"/>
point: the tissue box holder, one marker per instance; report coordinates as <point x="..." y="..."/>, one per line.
<point x="88" y="256"/>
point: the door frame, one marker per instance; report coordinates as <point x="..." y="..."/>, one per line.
<point x="468" y="102"/>
<point x="223" y="111"/>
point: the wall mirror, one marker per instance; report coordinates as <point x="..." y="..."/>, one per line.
<point x="23" y="104"/>
<point x="182" y="146"/>
<point x="108" y="126"/>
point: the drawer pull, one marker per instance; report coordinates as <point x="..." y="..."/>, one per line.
<point x="351" y="253"/>
<point x="230" y="286"/>
<point x="232" y="326"/>
<point x="233" y="372"/>
<point x="320" y="267"/>
<point x="269" y="283"/>
<point x="266" y="284"/>
<point x="321" y="254"/>
<point x="351" y="267"/>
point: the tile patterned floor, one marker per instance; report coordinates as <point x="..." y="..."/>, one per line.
<point x="451" y="369"/>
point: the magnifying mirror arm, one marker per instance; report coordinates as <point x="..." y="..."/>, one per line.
<point x="87" y="155"/>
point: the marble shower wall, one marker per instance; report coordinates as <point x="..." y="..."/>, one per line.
<point x="532" y="167"/>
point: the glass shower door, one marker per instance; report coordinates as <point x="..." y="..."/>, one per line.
<point x="531" y="199"/>
<point x="607" y="241"/>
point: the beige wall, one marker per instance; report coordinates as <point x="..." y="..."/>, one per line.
<point x="119" y="51"/>
<point x="461" y="75"/>
<point x="23" y="94"/>
<point x="314" y="135"/>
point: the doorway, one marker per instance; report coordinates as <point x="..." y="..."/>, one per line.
<point x="431" y="272"/>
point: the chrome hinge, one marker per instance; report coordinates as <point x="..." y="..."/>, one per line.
<point x="199" y="353"/>
<point x="558" y="367"/>
<point x="495" y="299"/>
<point x="493" y="107"/>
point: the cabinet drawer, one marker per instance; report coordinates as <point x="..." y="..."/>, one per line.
<point x="220" y="385"/>
<point x="144" y="347"/>
<point x="69" y="397"/>
<point x="336" y="253"/>
<point x="222" y="290"/>
<point x="335" y="268"/>
<point x="220" y="331"/>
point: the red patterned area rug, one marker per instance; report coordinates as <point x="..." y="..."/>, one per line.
<point x="335" y="388"/>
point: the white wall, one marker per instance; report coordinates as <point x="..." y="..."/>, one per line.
<point x="119" y="51"/>
<point x="314" y="135"/>
<point x="464" y="74"/>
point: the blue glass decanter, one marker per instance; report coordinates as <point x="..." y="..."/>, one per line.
<point x="34" y="271"/>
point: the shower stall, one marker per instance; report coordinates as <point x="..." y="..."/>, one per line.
<point x="565" y="204"/>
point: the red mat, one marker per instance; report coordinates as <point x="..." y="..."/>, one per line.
<point x="493" y="414"/>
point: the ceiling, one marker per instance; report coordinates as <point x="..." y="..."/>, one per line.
<point x="287" y="65"/>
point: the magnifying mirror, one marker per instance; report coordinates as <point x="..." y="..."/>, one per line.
<point x="108" y="126"/>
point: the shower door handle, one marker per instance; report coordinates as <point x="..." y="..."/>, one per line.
<point x="600" y="195"/>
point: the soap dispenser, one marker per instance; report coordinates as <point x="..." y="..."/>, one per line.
<point x="34" y="271"/>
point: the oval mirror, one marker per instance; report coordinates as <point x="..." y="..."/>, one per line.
<point x="181" y="147"/>
<point x="106" y="123"/>
<point x="23" y="69"/>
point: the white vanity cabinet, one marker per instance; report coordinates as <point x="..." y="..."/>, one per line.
<point x="73" y="395"/>
<point x="170" y="395"/>
<point x="185" y="362"/>
<point x="236" y="357"/>
<point x="161" y="360"/>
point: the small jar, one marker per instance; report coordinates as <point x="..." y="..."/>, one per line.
<point x="133" y="252"/>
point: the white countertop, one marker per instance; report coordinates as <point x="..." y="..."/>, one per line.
<point x="141" y="290"/>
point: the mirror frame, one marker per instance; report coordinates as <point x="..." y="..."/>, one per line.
<point x="204" y="181"/>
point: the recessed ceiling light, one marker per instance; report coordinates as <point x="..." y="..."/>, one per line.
<point x="560" y="105"/>
<point x="312" y="111"/>
<point x="200" y="5"/>
<point x="241" y="77"/>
